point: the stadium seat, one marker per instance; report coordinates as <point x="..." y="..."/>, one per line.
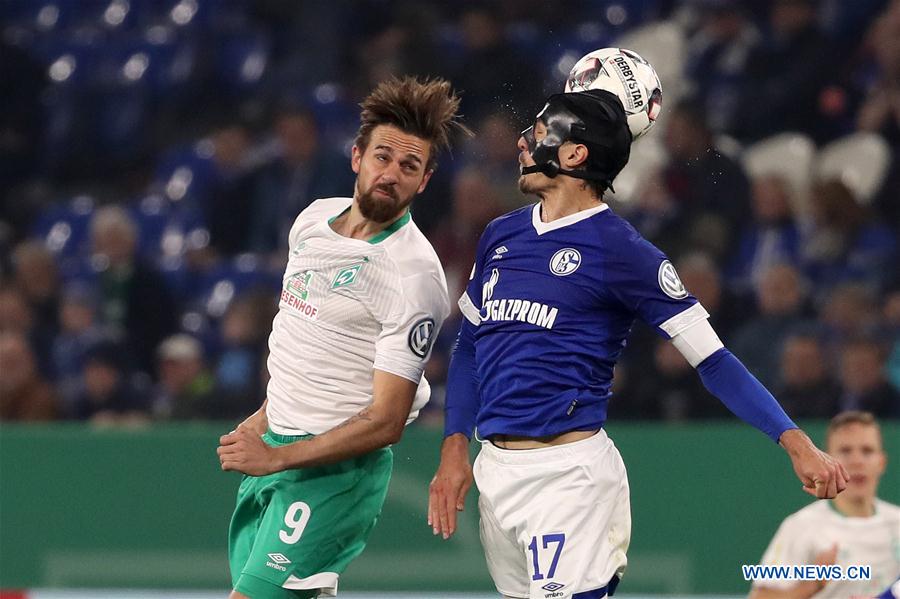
<point x="242" y="60"/>
<point x="152" y="214"/>
<point x="65" y="229"/>
<point x="122" y="119"/>
<point x="663" y="44"/>
<point x="61" y="110"/>
<point x="243" y="273"/>
<point x="558" y="62"/>
<point x="728" y="146"/>
<point x="336" y="117"/>
<point x="46" y="16"/>
<point x="71" y="59"/>
<point x="623" y="14"/>
<point x="648" y="157"/>
<point x="186" y="174"/>
<point x="185" y="15"/>
<point x="787" y="155"/>
<point x="860" y="160"/>
<point x="120" y="15"/>
<point x="156" y="60"/>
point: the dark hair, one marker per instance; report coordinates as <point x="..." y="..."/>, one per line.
<point x="598" y="187"/>
<point x="424" y="108"/>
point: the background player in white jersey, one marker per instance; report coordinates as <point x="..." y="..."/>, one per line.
<point x="856" y="528"/>
<point x="554" y="291"/>
<point x="363" y="297"/>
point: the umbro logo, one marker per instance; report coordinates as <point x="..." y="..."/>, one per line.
<point x="553" y="590"/>
<point x="498" y="253"/>
<point x="278" y="561"/>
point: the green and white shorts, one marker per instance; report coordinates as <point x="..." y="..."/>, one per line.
<point x="294" y="532"/>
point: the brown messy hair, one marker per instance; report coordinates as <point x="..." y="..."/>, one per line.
<point x="851" y="417"/>
<point x="424" y="108"/>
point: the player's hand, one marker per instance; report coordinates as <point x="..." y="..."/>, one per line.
<point x="448" y="488"/>
<point x="244" y="451"/>
<point x="822" y="476"/>
<point x="256" y="422"/>
<point x="824" y="558"/>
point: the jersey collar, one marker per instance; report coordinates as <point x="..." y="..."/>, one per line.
<point x="382" y="235"/>
<point x="541" y="227"/>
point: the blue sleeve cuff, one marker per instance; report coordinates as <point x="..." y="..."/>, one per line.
<point x="730" y="381"/>
<point x="463" y="395"/>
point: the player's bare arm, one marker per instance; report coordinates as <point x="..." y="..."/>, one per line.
<point x="379" y="425"/>
<point x="822" y="475"/>
<point x="448" y="489"/>
<point x="257" y="421"/>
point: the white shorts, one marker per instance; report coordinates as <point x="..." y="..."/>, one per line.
<point x="555" y="521"/>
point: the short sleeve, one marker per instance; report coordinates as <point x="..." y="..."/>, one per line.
<point x="471" y="299"/>
<point x="641" y="278"/>
<point x="420" y="306"/>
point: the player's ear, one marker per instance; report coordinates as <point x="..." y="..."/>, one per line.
<point x="355" y="158"/>
<point x="425" y="179"/>
<point x="572" y="155"/>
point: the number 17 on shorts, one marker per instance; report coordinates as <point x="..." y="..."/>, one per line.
<point x="546" y="551"/>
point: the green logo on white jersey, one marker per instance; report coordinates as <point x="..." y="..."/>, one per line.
<point x="346" y="276"/>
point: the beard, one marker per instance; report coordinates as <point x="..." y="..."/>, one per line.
<point x="380" y="209"/>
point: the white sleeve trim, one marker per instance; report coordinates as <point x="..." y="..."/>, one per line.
<point x="402" y="368"/>
<point x="468" y="309"/>
<point x="684" y="319"/>
<point x="697" y="342"/>
<point x="326" y="582"/>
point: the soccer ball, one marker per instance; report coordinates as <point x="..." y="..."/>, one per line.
<point x="624" y="73"/>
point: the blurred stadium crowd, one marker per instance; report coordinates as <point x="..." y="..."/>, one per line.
<point x="153" y="154"/>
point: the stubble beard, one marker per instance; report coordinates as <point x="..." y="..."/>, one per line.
<point x="527" y="186"/>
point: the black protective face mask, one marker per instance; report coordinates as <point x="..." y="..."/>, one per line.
<point x="603" y="130"/>
<point x="545" y="153"/>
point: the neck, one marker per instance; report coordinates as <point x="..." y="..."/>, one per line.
<point x="565" y="200"/>
<point x="854" y="507"/>
<point x="354" y="225"/>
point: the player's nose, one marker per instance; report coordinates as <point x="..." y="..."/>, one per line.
<point x="522" y="144"/>
<point x="390" y="175"/>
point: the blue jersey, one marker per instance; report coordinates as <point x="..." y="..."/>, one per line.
<point x="552" y="304"/>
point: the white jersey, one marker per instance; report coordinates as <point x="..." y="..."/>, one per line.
<point x="349" y="306"/>
<point x="872" y="541"/>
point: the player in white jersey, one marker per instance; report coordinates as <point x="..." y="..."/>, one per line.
<point x="855" y="528"/>
<point x="363" y="296"/>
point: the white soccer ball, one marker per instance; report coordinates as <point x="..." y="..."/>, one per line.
<point x="624" y="73"/>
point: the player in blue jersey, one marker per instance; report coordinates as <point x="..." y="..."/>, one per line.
<point x="553" y="294"/>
